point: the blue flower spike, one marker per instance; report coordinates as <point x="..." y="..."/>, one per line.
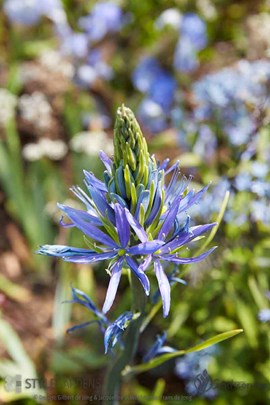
<point x="135" y="217"/>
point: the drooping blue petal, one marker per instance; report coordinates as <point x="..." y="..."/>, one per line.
<point x="145" y="248"/>
<point x="92" y="181"/>
<point x="87" y="228"/>
<point x="115" y="330"/>
<point x="106" y="161"/>
<point x="116" y="270"/>
<point x="138" y="229"/>
<point x="122" y="225"/>
<point x="182" y="260"/>
<point x="139" y="273"/>
<point x="164" y="287"/>
<point x="79" y="297"/>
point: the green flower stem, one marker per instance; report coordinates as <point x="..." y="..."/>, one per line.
<point x="113" y="379"/>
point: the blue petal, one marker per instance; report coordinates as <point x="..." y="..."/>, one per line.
<point x="115" y="330"/>
<point x="139" y="273"/>
<point x="186" y="237"/>
<point x="106" y="161"/>
<point x="92" y="181"/>
<point x="164" y="164"/>
<point x="122" y="225"/>
<point x="63" y="251"/>
<point x="81" y="325"/>
<point x="156" y="205"/>
<point x="119" y="199"/>
<point x="120" y="182"/>
<point x="138" y="229"/>
<point x="84" y="198"/>
<point x="191" y="198"/>
<point x="182" y="260"/>
<point x="87" y="228"/>
<point x="144" y="200"/>
<point x="145" y="248"/>
<point x="101" y="203"/>
<point x="146" y="263"/>
<point x="81" y="298"/>
<point x="169" y="219"/>
<point x="93" y="258"/>
<point x="93" y="219"/>
<point x="164" y="287"/>
<point x="154" y="350"/>
<point x="175" y="166"/>
<point x="113" y="285"/>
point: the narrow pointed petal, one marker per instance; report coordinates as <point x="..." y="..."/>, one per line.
<point x="175" y="166"/>
<point x="144" y="200"/>
<point x="87" y="216"/>
<point x="81" y="325"/>
<point x="164" y="287"/>
<point x="145" y="248"/>
<point x="139" y="273"/>
<point x="182" y="260"/>
<point x="191" y="198"/>
<point x="94" y="182"/>
<point x="156" y="205"/>
<point x="185" y="237"/>
<point x="106" y="161"/>
<point x="146" y="263"/>
<point x="87" y="228"/>
<point x="164" y="164"/>
<point x="169" y="219"/>
<point x="101" y="203"/>
<point x="63" y="251"/>
<point x="155" y="349"/>
<point x="93" y="258"/>
<point x="84" y="198"/>
<point x="113" y="285"/>
<point x="122" y="225"/>
<point x="138" y="229"/>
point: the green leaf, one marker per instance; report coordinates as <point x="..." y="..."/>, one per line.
<point x="141" y="368"/>
<point x="13" y="345"/>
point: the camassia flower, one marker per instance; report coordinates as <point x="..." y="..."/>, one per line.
<point x="117" y="249"/>
<point x="135" y="217"/>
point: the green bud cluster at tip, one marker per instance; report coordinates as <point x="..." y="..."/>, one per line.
<point x="130" y="149"/>
<point x="135" y="181"/>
